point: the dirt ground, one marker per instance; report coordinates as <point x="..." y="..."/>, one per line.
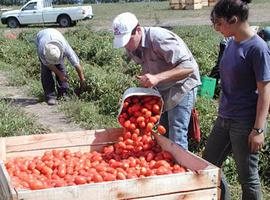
<point x="48" y="116"/>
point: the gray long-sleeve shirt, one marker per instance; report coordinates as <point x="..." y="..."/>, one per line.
<point x="162" y="50"/>
<point x="47" y="35"/>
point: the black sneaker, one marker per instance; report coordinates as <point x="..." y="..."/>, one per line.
<point x="51" y="102"/>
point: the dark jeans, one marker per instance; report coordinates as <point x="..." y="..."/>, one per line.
<point x="48" y="82"/>
<point x="232" y="136"/>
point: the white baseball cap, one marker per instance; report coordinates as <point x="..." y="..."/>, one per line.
<point x="53" y="52"/>
<point x="123" y="25"/>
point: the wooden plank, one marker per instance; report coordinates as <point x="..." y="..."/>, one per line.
<point x="30" y="154"/>
<point x="132" y="188"/>
<point x="212" y="3"/>
<point x="195" y="6"/>
<point x="193" y="1"/>
<point x="175" y="1"/>
<point x="177" y="6"/>
<point x="204" y="2"/>
<point x="60" y="140"/>
<point x="206" y="194"/>
<point x="3" y="148"/>
<point x="6" y="192"/>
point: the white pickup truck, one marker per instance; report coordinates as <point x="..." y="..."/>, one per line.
<point x="42" y="12"/>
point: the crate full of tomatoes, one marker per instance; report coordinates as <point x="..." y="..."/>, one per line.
<point x="132" y="162"/>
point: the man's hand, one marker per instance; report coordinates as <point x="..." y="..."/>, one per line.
<point x="256" y="141"/>
<point x="58" y="73"/>
<point x="82" y="85"/>
<point x="148" y="80"/>
<point x="62" y="77"/>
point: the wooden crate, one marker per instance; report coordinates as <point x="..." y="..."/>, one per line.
<point x="204" y="2"/>
<point x="212" y="2"/>
<point x="194" y="6"/>
<point x="177" y="6"/>
<point x="193" y="1"/>
<point x="200" y="183"/>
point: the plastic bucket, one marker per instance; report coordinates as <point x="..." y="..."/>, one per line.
<point x="208" y="86"/>
<point x="137" y="92"/>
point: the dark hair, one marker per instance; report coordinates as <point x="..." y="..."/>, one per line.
<point x="134" y="30"/>
<point x="227" y="9"/>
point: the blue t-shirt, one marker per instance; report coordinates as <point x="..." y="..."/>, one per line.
<point x="241" y="67"/>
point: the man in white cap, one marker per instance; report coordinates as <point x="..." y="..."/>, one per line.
<point x="52" y="48"/>
<point x="167" y="65"/>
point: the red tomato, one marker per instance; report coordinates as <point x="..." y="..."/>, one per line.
<point x="167" y="155"/>
<point x="153" y="120"/>
<point x="161" y="129"/>
<point x="161" y="170"/>
<point x="79" y="180"/>
<point x="156" y="109"/>
<point x="127" y="124"/>
<point x="109" y="177"/>
<point x="120" y="176"/>
<point x="36" y="185"/>
<point x="142" y="124"/>
<point x="59" y="183"/>
<point x="140" y="119"/>
<point x="149" y="126"/>
<point x="61" y="171"/>
<point x="148" y="114"/>
<point x="97" y="178"/>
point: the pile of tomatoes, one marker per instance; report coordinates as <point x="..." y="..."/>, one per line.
<point x="135" y="155"/>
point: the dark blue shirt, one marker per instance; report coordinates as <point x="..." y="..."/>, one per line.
<point x="241" y="67"/>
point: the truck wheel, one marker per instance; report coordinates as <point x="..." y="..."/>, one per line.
<point x="64" y="21"/>
<point x="13" y="23"/>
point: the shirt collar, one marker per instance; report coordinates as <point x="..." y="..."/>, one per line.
<point x="143" y="42"/>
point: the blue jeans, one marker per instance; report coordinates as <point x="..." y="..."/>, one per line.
<point x="176" y="120"/>
<point x="48" y="82"/>
<point x="228" y="136"/>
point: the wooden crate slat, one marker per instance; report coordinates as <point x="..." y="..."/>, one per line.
<point x="193" y="1"/>
<point x="175" y="1"/>
<point x="30" y="154"/>
<point x="127" y="189"/>
<point x="61" y="140"/>
<point x="177" y="6"/>
<point x="6" y="192"/>
<point x="206" y="194"/>
<point x="193" y="6"/>
<point x="3" y="152"/>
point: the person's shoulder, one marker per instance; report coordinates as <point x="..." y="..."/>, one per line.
<point x="158" y="33"/>
<point x="258" y="44"/>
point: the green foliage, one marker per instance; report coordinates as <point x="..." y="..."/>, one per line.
<point x="87" y="114"/>
<point x="264" y="161"/>
<point x="14" y="121"/>
<point x="22" y="57"/>
<point x="203" y="47"/>
<point x="207" y="109"/>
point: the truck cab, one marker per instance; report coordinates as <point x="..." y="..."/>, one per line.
<point x="42" y="11"/>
